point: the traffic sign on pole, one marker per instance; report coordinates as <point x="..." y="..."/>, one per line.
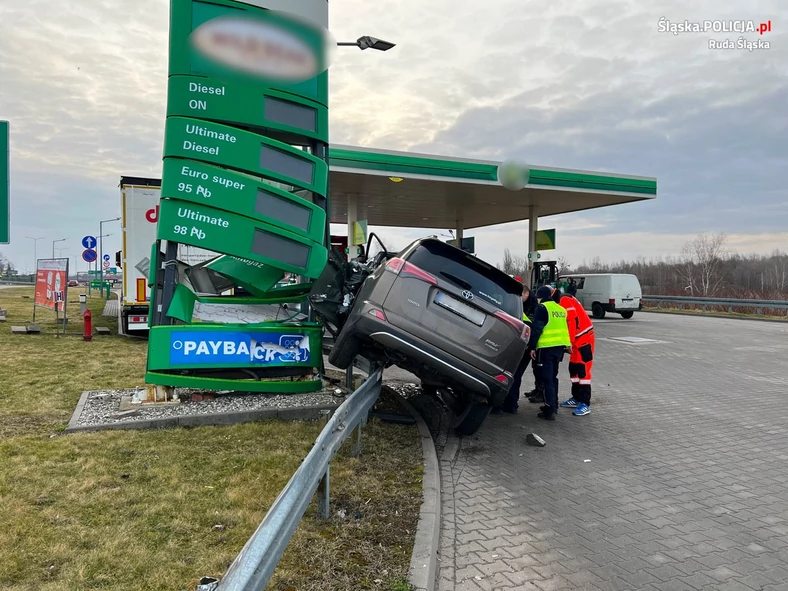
<point x="89" y="255"/>
<point x="106" y="257"/>
<point x="89" y="242"/>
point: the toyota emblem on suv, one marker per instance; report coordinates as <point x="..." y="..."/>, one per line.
<point x="467" y="295"/>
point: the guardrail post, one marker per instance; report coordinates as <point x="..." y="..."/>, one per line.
<point x="758" y="311"/>
<point x="357" y="443"/>
<point x="323" y="493"/>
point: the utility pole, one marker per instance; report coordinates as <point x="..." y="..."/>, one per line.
<point x="55" y="242"/>
<point x="35" y="252"/>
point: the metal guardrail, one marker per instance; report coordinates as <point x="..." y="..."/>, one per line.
<point x="730" y="303"/>
<point x="8" y="282"/>
<point x="255" y="564"/>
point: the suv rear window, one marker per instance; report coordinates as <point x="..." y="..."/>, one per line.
<point x="451" y="265"/>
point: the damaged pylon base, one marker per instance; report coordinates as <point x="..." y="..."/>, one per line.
<point x="535" y="440"/>
<point x="154" y="393"/>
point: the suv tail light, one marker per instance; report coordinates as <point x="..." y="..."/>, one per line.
<point x="378" y="314"/>
<point x="612" y="301"/>
<point x="520" y="327"/>
<point x="402" y="267"/>
<point x="504" y="379"/>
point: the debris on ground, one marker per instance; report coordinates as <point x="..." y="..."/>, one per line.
<point x="535" y="440"/>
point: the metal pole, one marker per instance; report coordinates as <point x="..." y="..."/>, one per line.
<point x="101" y="257"/>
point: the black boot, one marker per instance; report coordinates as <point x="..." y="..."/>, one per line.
<point x="536" y="395"/>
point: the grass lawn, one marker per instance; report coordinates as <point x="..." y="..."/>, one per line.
<point x="159" y="509"/>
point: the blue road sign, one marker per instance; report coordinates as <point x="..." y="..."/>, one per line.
<point x="89" y="255"/>
<point x="89" y="242"/>
<point x="106" y="257"/>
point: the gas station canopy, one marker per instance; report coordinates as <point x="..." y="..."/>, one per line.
<point x="404" y="189"/>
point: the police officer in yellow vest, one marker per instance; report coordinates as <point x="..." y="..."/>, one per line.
<point x="549" y="341"/>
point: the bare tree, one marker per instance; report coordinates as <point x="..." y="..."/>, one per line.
<point x="564" y="268"/>
<point x="778" y="271"/>
<point x="514" y="264"/>
<point x="687" y="268"/>
<point x="708" y="254"/>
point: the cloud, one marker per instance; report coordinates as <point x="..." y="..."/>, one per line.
<point x="590" y="85"/>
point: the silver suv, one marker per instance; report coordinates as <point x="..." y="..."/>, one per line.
<point x="436" y="311"/>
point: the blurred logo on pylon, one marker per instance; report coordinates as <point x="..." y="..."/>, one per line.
<point x="277" y="48"/>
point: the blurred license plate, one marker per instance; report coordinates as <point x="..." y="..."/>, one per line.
<point x="460" y="308"/>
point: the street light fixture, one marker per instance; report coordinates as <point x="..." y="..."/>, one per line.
<point x="55" y="242"/>
<point x="368" y="42"/>
<point x="35" y="252"/>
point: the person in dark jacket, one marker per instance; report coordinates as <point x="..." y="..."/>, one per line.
<point x="548" y="343"/>
<point x="510" y="404"/>
<point x="529" y="302"/>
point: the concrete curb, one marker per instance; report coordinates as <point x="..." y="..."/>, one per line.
<point x="301" y="413"/>
<point x="424" y="560"/>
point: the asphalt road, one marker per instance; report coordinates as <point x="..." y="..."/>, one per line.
<point x="676" y="480"/>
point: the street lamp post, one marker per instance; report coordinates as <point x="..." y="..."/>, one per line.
<point x="101" y="249"/>
<point x="55" y="242"/>
<point x="367" y="42"/>
<point x="35" y="252"/>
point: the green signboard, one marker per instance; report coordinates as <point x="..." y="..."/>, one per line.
<point x="247" y="349"/>
<point x="230" y="41"/>
<point x="248" y="104"/>
<point x="246" y="128"/>
<point x="5" y="187"/>
<point x="254" y="277"/>
<point x="242" y="194"/>
<point x="545" y="239"/>
<point x="185" y="222"/>
<point x="243" y="150"/>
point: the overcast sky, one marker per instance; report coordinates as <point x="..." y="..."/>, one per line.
<point x="591" y="85"/>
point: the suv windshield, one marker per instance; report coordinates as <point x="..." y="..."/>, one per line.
<point x="466" y="272"/>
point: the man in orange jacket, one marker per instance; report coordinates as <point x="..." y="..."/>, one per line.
<point x="581" y="333"/>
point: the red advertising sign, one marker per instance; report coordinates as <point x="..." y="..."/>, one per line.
<point x="51" y="283"/>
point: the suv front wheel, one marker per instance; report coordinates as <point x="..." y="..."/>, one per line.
<point x="345" y="349"/>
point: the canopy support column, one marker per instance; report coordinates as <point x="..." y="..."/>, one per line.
<point x="533" y="227"/>
<point x="352" y="218"/>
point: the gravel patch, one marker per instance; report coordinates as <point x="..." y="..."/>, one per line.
<point x="103" y="407"/>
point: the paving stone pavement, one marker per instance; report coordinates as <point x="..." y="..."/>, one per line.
<point x="111" y="308"/>
<point x="677" y="480"/>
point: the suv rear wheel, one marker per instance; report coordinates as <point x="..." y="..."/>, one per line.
<point x="468" y="419"/>
<point x="627" y="315"/>
<point x="597" y="311"/>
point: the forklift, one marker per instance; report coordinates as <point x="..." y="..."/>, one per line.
<point x="546" y="273"/>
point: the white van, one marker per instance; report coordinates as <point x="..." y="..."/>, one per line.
<point x="617" y="293"/>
